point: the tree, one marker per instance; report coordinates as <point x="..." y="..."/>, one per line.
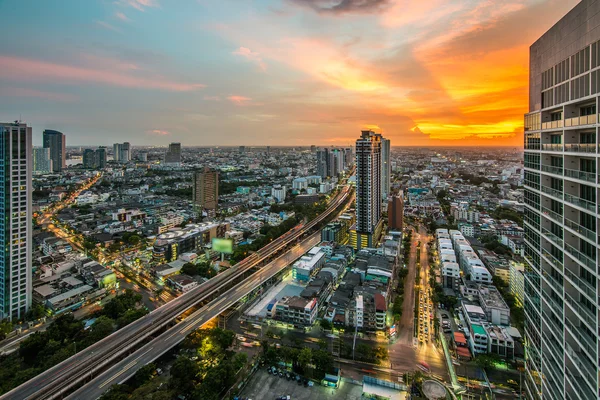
<point x="32" y="346"/>
<point x="189" y="269"/>
<point x="304" y="358"/>
<point x="326" y="324"/>
<point x="143" y="375"/>
<point x="183" y="375"/>
<point x="116" y="392"/>
<point x="102" y="327"/>
<point x="5" y="328"/>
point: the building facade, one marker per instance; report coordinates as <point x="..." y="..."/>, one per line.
<point x="561" y="209"/>
<point x="368" y="186"/>
<point x="395" y="212"/>
<point x="15" y="224"/>
<point x="42" y="163"/>
<point x="386" y="168"/>
<point x="56" y="142"/>
<point x="206" y="191"/>
<point x="173" y="154"/>
<point x="122" y="152"/>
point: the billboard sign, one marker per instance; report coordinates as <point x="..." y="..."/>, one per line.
<point x="224" y="246"/>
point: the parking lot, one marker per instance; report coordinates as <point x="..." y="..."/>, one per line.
<point x="263" y="386"/>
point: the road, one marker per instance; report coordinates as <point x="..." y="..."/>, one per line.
<point x="57" y="380"/>
<point x="157" y="347"/>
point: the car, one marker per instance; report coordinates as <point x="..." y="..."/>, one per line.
<point x="311" y="383"/>
<point x="287" y="376"/>
<point x="159" y="371"/>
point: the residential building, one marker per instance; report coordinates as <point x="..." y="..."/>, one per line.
<point x="296" y="310"/>
<point x="42" y="163"/>
<point x="368" y="188"/>
<point x="170" y="245"/>
<point x="15" y="263"/>
<point x="516" y="281"/>
<point x="173" y="154"/>
<point x="122" y="152"/>
<point x="206" y="191"/>
<point x="395" y="212"/>
<point x="561" y="209"/>
<point x="89" y="159"/>
<point x="493" y="305"/>
<point x="386" y="168"/>
<point x="56" y="142"/>
<point x="279" y="192"/>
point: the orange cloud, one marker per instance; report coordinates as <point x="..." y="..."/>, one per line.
<point x="158" y="132"/>
<point x="239" y="100"/>
<point x="251" y="56"/>
<point x="23" y="69"/>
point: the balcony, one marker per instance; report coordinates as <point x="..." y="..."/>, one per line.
<point x="582" y="284"/>
<point x="553" y="282"/>
<point x="574" y="226"/>
<point x="586" y="315"/>
<point x="581" y="147"/>
<point x="557" y="241"/>
<point x="552" y="170"/>
<point x="582" y="258"/>
<point x="579" y="202"/>
<point x="583" y="120"/>
<point x="586" y="342"/>
<point x="532" y="146"/>
<point x="552" y="147"/>
<point x="553" y="215"/>
<point x="583" y="392"/>
<point x="587" y="368"/>
<point x="553" y="260"/>
<point x="552" y="124"/>
<point x="581" y="175"/>
<point x="553" y="192"/>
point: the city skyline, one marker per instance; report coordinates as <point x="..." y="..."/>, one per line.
<point x="108" y="73"/>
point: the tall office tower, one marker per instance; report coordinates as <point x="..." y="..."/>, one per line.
<point x="206" y="191"/>
<point x="89" y="158"/>
<point x="42" y="164"/>
<point x="313" y="148"/>
<point x="173" y="154"/>
<point x="56" y="142"/>
<point x="368" y="189"/>
<point x="242" y="149"/>
<point x="101" y="157"/>
<point x="395" y="211"/>
<point x="268" y="149"/>
<point x="143" y="156"/>
<point x="386" y="170"/>
<point x="323" y="162"/>
<point x="15" y="224"/>
<point x="562" y="284"/>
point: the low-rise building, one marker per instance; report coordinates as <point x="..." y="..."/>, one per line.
<point x="308" y="265"/>
<point x="296" y="310"/>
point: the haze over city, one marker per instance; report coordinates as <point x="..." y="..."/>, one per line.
<point x="291" y="72"/>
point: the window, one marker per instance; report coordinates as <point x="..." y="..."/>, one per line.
<point x="588" y="110"/>
<point x="587" y="221"/>
<point x="587" y="137"/>
<point x="557" y="116"/>
<point x="587" y="165"/>
<point x="556" y="184"/>
<point x="587" y="193"/>
<point x="587" y="248"/>
<point x="556" y="139"/>
<point x="556" y="161"/>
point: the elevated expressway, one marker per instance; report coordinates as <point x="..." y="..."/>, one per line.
<point x="119" y="355"/>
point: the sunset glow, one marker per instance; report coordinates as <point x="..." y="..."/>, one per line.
<point x="282" y="72"/>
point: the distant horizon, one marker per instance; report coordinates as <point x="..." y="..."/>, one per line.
<point x="183" y="145"/>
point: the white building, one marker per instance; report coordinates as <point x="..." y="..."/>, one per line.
<point x="15" y="265"/>
<point x="279" y="192"/>
<point x="299" y="183"/>
<point x="42" y="163"/>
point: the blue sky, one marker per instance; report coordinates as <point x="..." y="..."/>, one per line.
<point x="280" y="72"/>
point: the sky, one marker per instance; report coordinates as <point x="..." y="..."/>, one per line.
<point x="271" y="72"/>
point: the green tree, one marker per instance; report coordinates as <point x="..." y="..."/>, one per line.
<point x="5" y="328"/>
<point x="102" y="327"/>
<point x="183" y="375"/>
<point x="326" y="324"/>
<point x="304" y="358"/>
<point x="143" y="375"/>
<point x="189" y="269"/>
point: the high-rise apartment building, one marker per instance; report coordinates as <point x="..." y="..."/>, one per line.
<point x="206" y="191"/>
<point x="173" y="154"/>
<point x="331" y="162"/>
<point x="368" y="189"/>
<point x="561" y="277"/>
<point x="322" y="162"/>
<point x="94" y="158"/>
<point x="386" y="168"/>
<point x="42" y="164"/>
<point x="15" y="224"/>
<point x="89" y="158"/>
<point x="56" y="142"/>
<point x="122" y="152"/>
<point x="395" y="211"/>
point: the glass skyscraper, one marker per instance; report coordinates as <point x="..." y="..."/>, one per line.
<point x="15" y="224"/>
<point x="561" y="209"/>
